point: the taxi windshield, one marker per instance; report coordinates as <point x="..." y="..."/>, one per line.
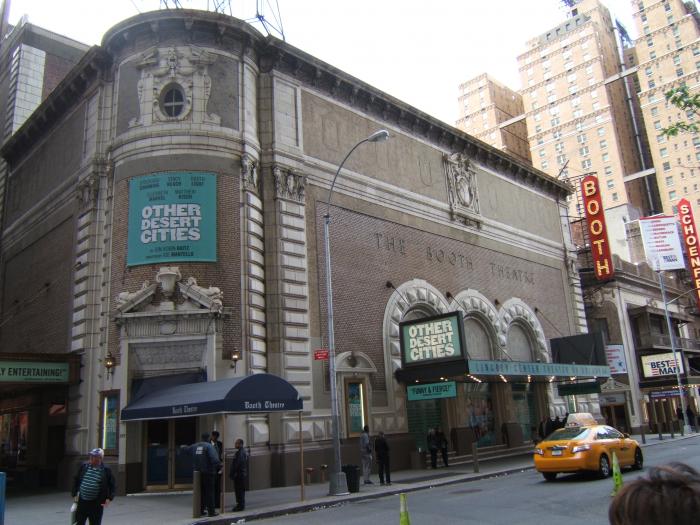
<point x="568" y="433"/>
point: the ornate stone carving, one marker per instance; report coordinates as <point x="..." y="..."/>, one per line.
<point x="133" y="301"/>
<point x="249" y="173"/>
<point x="289" y="184"/>
<point x="461" y="186"/>
<point x="211" y="297"/>
<point x="185" y="67"/>
<point x="87" y="191"/>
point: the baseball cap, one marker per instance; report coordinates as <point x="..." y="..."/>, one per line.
<point x="97" y="452"/>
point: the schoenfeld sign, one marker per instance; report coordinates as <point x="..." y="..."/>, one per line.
<point x="432" y="339"/>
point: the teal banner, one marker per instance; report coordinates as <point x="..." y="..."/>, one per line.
<point x="522" y="368"/>
<point x="432" y="391"/>
<point x="172" y="217"/>
<point x="432" y="339"/>
<point x="33" y="372"/>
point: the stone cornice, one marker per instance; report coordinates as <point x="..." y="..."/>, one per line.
<point x="202" y="27"/>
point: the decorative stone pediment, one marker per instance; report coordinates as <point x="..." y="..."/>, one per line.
<point x="172" y="76"/>
<point x="461" y="188"/>
<point x="289" y="184"/>
<point x="612" y="386"/>
<point x="173" y="290"/>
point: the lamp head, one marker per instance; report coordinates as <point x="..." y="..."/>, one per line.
<point x="378" y="136"/>
<point x="235" y="357"/>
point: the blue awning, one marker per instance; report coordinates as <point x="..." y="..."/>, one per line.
<point x="237" y="395"/>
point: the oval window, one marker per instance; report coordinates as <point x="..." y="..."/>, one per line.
<point x="172" y="101"/>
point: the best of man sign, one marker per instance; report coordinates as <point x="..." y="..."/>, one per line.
<point x="432" y="339"/>
<point x="172" y="217"/>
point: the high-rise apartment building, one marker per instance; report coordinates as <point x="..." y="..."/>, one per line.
<point x="668" y="55"/>
<point x="493" y="113"/>
<point x="578" y="110"/>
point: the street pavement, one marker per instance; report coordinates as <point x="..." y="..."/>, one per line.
<point x="176" y="508"/>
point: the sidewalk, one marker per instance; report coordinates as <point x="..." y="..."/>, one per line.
<point x="176" y="508"/>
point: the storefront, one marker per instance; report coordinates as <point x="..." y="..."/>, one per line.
<point x="33" y="412"/>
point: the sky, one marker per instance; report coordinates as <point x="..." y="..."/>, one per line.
<point x="418" y="51"/>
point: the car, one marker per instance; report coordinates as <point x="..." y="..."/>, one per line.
<point x="585" y="446"/>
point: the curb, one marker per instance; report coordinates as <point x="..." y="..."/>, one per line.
<point x="324" y="503"/>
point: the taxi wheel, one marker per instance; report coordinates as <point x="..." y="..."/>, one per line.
<point x="638" y="460"/>
<point x="603" y="466"/>
<point x="550" y="476"/>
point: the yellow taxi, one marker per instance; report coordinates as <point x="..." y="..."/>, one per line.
<point x="584" y="445"/>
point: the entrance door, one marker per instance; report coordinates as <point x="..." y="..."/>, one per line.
<point x="168" y="465"/>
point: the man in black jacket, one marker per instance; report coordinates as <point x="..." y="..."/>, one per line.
<point x="381" y="449"/>
<point x="93" y="488"/>
<point x="239" y="474"/>
<point x="206" y="461"/>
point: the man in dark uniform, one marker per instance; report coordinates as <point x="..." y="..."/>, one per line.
<point x="93" y="489"/>
<point x="381" y="449"/>
<point x="239" y="474"/>
<point x="219" y="447"/>
<point x="206" y="461"/>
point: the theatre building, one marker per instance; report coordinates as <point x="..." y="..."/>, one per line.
<point x="173" y="190"/>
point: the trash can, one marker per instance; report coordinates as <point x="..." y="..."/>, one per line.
<point x="352" y="475"/>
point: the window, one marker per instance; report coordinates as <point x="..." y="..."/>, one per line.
<point x="594" y="94"/>
<point x="578" y="113"/>
<point x="605" y="157"/>
<point x="652" y="84"/>
<point x="610" y="183"/>
<point x="667" y="166"/>
<point x="172" y="100"/>
<point x="655" y="111"/>
<point x="583" y="151"/>
<point x="586" y="164"/>
<point x="679" y="72"/>
<point x="650" y="42"/>
<point x="652" y="55"/>
<point x="608" y="170"/>
<point x="615" y="197"/>
<point x="554" y="121"/>
<point x="557" y="135"/>
<point x="561" y="159"/>
<point x="541" y="153"/>
<point x="663" y="152"/>
<point x="603" y="144"/>
<point x="581" y="138"/>
<point x="657" y="125"/>
<point x="559" y="147"/>
<point x="669" y="180"/>
<point x="648" y="71"/>
<point x="544" y="164"/>
<point x="537" y="117"/>
<point x="672" y="195"/>
<point x="601" y="132"/>
<point x="677" y="60"/>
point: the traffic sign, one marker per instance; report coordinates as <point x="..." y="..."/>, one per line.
<point x="321" y="354"/>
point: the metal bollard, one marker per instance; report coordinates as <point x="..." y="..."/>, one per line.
<point x="196" y="494"/>
<point x="475" y="457"/>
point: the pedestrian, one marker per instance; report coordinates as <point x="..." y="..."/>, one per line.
<point x="541" y="429"/>
<point x="679" y="414"/>
<point x="432" y="447"/>
<point x="549" y="426"/>
<point x="381" y="449"/>
<point x="691" y="417"/>
<point x="667" y="494"/>
<point x="206" y="462"/>
<point x="557" y="423"/>
<point x="366" y="453"/>
<point x="93" y="488"/>
<point x="442" y="444"/>
<point x="239" y="474"/>
<point x="219" y="447"/>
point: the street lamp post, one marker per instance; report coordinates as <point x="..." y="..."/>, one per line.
<point x="338" y="484"/>
<point x="672" y="335"/>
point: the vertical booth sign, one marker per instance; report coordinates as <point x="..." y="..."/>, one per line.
<point x="172" y="217"/>
<point x="595" y="217"/>
<point x="690" y="238"/>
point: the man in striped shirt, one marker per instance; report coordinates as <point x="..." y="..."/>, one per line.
<point x="93" y="488"/>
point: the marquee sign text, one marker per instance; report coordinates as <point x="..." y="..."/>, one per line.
<point x="595" y="217"/>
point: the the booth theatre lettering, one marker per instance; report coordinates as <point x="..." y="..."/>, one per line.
<point x="260" y="405"/>
<point x="512" y="274"/>
<point x="184" y="409"/>
<point x="431" y="341"/>
<point x="391" y="244"/>
<point x="453" y="258"/>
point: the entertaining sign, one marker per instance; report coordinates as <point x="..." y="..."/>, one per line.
<point x="661" y="365"/>
<point x="172" y="217"/>
<point x="432" y="339"/>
